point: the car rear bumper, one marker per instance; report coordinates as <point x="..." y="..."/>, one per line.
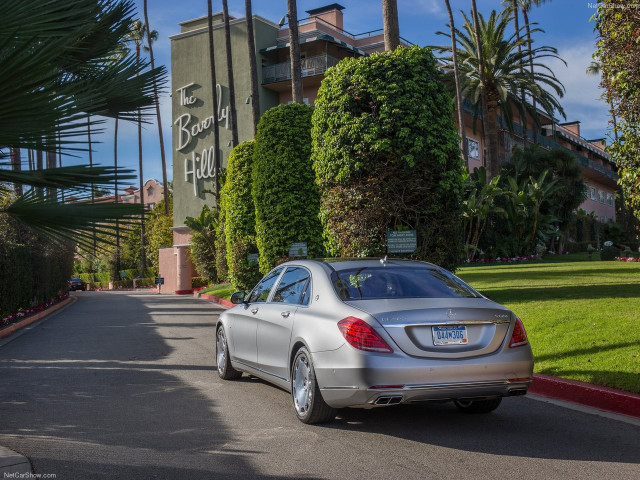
<point x="350" y="378"/>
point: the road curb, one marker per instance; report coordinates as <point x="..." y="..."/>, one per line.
<point x="14" y="327"/>
<point x="587" y="394"/>
<point x="212" y="298"/>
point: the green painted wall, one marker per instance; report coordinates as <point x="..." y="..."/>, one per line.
<point x="190" y="65"/>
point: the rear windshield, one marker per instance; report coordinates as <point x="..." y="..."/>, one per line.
<point x="400" y="282"/>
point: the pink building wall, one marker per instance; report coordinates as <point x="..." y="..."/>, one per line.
<point x="176" y="268"/>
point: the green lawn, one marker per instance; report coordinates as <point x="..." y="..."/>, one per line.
<point x="582" y="318"/>
<point x="222" y="290"/>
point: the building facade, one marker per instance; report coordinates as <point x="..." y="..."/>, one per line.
<point x="323" y="43"/>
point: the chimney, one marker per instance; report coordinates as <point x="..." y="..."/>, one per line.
<point x="331" y="14"/>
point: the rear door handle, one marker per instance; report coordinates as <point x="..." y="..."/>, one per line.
<point x="285" y="314"/>
<point x="254" y="311"/>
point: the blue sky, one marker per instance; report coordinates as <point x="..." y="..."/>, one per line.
<point x="566" y="23"/>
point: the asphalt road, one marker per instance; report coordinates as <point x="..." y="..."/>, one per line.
<point x="123" y="385"/>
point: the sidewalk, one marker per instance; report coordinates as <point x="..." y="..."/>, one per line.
<point x="12" y="462"/>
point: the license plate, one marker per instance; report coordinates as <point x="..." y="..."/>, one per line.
<point x="450" y="335"/>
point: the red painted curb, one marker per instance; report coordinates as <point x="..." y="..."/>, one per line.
<point x="222" y="301"/>
<point x="5" y="332"/>
<point x="595" y="396"/>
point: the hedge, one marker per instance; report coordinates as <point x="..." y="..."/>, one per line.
<point x="240" y="215"/>
<point x="386" y="156"/>
<point x="284" y="193"/>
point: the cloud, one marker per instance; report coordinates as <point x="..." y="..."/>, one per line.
<point x="582" y="100"/>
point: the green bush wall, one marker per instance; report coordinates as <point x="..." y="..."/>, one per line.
<point x="285" y="196"/>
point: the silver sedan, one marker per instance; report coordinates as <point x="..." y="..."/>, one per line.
<point x="372" y="333"/>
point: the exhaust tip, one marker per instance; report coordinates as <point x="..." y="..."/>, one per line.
<point x="388" y="400"/>
<point x="518" y="392"/>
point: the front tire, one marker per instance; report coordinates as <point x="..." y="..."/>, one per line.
<point x="225" y="370"/>
<point x="478" y="406"/>
<point x="308" y="403"/>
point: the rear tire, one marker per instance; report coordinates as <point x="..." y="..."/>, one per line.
<point x="225" y="370"/>
<point x="478" y="406"/>
<point x="307" y="400"/>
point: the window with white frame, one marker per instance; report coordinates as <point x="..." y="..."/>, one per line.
<point x="473" y="147"/>
<point x="601" y="196"/>
<point x="592" y="193"/>
<point x="610" y="199"/>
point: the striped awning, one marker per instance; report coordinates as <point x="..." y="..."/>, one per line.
<point x="324" y="37"/>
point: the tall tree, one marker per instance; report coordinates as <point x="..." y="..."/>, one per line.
<point x="253" y="69"/>
<point x="137" y="35"/>
<point x="294" y="52"/>
<point x="488" y="123"/>
<point x="500" y="77"/>
<point x="165" y="182"/>
<point x="461" y="127"/>
<point x="390" y="24"/>
<point x="232" y="89"/>
<point x="216" y="127"/>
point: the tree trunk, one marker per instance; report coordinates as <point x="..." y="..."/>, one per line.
<point x="489" y="121"/>
<point x="456" y="73"/>
<point x="232" y="90"/>
<point x="523" y="114"/>
<point x="143" y="254"/>
<point x="216" y="127"/>
<point x="165" y="182"/>
<point x="294" y="52"/>
<point x="390" y="24"/>
<point x="115" y="164"/>
<point x="39" y="166"/>
<point x="253" y="69"/>
<point x="533" y="99"/>
<point x="16" y="166"/>
<point x="51" y="156"/>
<point x="93" y="190"/>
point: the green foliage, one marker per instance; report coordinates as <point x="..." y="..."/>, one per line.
<point x="15" y="278"/>
<point x="203" y="249"/>
<point x="609" y="253"/>
<point x="283" y="189"/>
<point x="386" y="156"/>
<point x="240" y="217"/>
<point x="617" y="55"/>
<point x="158" y="230"/>
<point x="199" y="282"/>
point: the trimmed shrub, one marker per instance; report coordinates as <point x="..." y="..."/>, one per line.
<point x="283" y="189"/>
<point x="199" y="282"/>
<point x="609" y="253"/>
<point x="386" y="156"/>
<point x="240" y="217"/>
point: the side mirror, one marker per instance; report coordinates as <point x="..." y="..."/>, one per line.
<point x="237" y="298"/>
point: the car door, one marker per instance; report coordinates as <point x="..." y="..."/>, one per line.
<point x="244" y="320"/>
<point x="275" y="321"/>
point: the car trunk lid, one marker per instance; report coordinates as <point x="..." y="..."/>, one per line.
<point x="442" y="327"/>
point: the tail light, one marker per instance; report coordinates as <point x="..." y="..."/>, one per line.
<point x="519" y="337"/>
<point x="359" y="334"/>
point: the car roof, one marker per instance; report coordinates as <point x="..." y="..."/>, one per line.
<point x="339" y="264"/>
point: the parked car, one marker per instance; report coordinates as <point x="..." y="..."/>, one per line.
<point x="77" y="284"/>
<point x="373" y="333"/>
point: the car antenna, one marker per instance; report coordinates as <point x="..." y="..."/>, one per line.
<point x="383" y="261"/>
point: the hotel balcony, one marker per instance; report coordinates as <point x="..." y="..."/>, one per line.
<point x="311" y="66"/>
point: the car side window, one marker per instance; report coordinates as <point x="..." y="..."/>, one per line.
<point x="260" y="293"/>
<point x="293" y="286"/>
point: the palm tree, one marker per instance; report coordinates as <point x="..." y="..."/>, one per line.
<point x="232" y="90"/>
<point x="253" y="69"/>
<point x="500" y="77"/>
<point x="463" y="134"/>
<point x="165" y="182"/>
<point x="390" y="24"/>
<point x="136" y="35"/>
<point x="216" y="129"/>
<point x="61" y="72"/>
<point x="487" y="121"/>
<point x="294" y="52"/>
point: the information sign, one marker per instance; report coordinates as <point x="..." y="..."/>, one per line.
<point x="405" y="241"/>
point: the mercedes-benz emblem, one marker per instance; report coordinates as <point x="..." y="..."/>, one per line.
<point x="451" y="313"/>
